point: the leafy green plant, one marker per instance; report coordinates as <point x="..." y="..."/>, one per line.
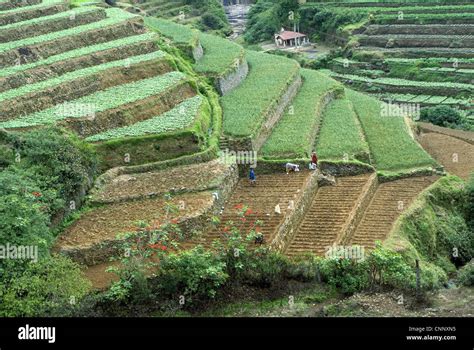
<point x="388" y="137"/>
<point x="114" y="16"/>
<point x="51" y="286"/>
<point x="100" y="101"/>
<point x="466" y="275"/>
<point x="294" y="135"/>
<point x="180" y="117"/>
<point x="442" y="116"/>
<point x="341" y="135"/>
<point x="245" y="108"/>
<point x="193" y="274"/>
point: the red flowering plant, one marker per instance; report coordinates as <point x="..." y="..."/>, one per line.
<point x="141" y="250"/>
<point x="240" y="240"/>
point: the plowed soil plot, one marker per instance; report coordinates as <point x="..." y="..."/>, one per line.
<point x="455" y="155"/>
<point x="327" y="215"/>
<point x="104" y="223"/>
<point x="99" y="278"/>
<point x="270" y="191"/>
<point x="389" y="201"/>
<point x="196" y="177"/>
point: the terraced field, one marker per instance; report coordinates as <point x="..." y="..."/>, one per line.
<point x="270" y="191"/>
<point x="329" y="215"/>
<point x="98" y="72"/>
<point x="412" y="54"/>
<point x="388" y="203"/>
<point x="294" y="135"/>
<point x="455" y="153"/>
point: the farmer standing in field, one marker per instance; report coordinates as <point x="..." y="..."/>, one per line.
<point x="314" y="161"/>
<point x="252" y="177"/>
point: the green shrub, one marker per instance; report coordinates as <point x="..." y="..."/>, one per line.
<point x="470" y="202"/>
<point x="195" y="274"/>
<point x="304" y="268"/>
<point x="442" y="116"/>
<point x="466" y="275"/>
<point x="346" y="275"/>
<point x="48" y="287"/>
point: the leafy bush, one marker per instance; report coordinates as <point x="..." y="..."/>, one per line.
<point x="347" y="275"/>
<point x="387" y="267"/>
<point x="194" y="274"/>
<point x="48" y="287"/>
<point x="466" y="275"/>
<point x="304" y="268"/>
<point x="470" y="202"/>
<point x="443" y="116"/>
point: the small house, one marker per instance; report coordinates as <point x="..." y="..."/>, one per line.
<point x="288" y="38"/>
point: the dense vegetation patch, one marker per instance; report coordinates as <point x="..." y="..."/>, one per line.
<point x="44" y="174"/>
<point x="388" y="137"/>
<point x="246" y="106"/>
<point x="294" y="135"/>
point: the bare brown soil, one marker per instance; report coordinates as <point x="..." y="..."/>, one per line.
<point x="327" y="215"/>
<point x="104" y="223"/>
<point x="194" y="177"/>
<point x="389" y="201"/>
<point x="270" y="191"/>
<point x="455" y="155"/>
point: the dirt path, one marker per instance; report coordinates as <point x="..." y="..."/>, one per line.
<point x="455" y="155"/>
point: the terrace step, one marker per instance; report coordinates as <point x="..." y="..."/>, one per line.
<point x="17" y="76"/>
<point x="48" y="24"/>
<point x="425" y="41"/>
<point x="327" y="215"/>
<point x="420" y="29"/>
<point x="403" y="86"/>
<point x="33" y="98"/>
<point x="417" y="52"/>
<point x="389" y="201"/>
<point x="33" y="12"/>
<point x="115" y="26"/>
<point x="13" y="4"/>
<point x="261" y="199"/>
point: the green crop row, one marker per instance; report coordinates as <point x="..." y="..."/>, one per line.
<point x="178" y="33"/>
<point x="81" y="73"/>
<point x="341" y="136"/>
<point x="83" y="51"/>
<point x="404" y="82"/>
<point x="114" y="15"/>
<point x="293" y="136"/>
<point x="220" y="55"/>
<point x="389" y="139"/>
<point x="180" y="117"/>
<point x="44" y="3"/>
<point x="245" y="108"/>
<point x="425" y="18"/>
<point x="100" y="101"/>
<point x="40" y="20"/>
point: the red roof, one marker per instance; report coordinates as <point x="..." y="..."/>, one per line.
<point x="287" y="35"/>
